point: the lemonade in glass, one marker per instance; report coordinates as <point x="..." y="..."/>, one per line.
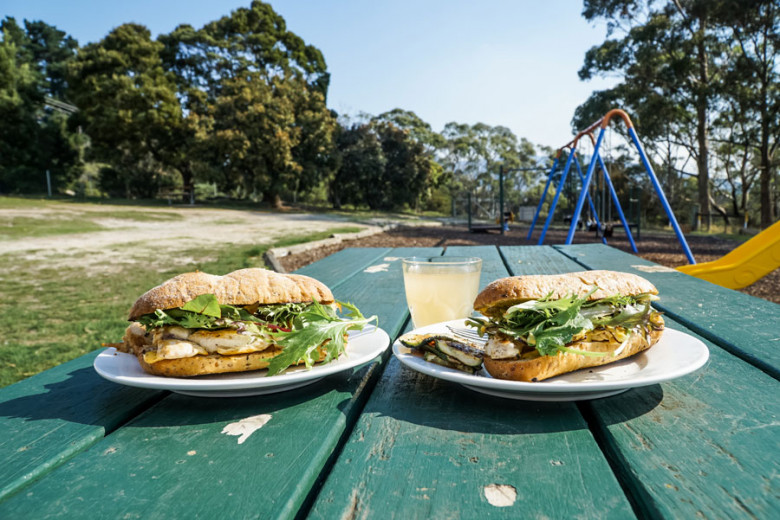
<point x="440" y="288"/>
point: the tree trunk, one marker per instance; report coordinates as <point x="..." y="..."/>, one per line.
<point x="187" y="184"/>
<point x="721" y="210"/>
<point x="767" y="206"/>
<point x="702" y="136"/>
<point x="273" y="199"/>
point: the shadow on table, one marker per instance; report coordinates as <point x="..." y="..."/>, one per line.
<point x="449" y="406"/>
<point x="81" y="396"/>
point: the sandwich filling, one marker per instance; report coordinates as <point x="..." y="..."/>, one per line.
<point x="547" y="326"/>
<point x="303" y="331"/>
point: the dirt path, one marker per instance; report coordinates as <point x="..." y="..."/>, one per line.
<point x="127" y="239"/>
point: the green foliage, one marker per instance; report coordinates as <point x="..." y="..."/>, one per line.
<point x="383" y="167"/>
<point x="33" y="138"/>
<point x="473" y="154"/>
<point x="254" y="98"/>
<point x="694" y="73"/>
<point x="127" y="104"/>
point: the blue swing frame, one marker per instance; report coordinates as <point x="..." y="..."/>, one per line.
<point x="584" y="193"/>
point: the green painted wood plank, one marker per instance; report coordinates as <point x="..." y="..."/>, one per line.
<point x="175" y="460"/>
<point x="746" y="326"/>
<point x="426" y="448"/>
<point x="702" y="446"/>
<point x="492" y="264"/>
<point x="52" y="416"/>
<point x="344" y="263"/>
<point x="523" y="260"/>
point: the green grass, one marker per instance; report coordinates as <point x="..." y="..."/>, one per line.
<point x="17" y="227"/>
<point x="50" y="315"/>
<point x="52" y="217"/>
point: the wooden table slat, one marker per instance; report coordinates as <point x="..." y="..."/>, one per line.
<point x="343" y="264"/>
<point x="427" y="448"/>
<point x="746" y="326"/>
<point x="698" y="446"/>
<point x="177" y="460"/>
<point x="52" y="416"/>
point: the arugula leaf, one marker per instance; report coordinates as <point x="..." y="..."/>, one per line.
<point x="281" y="314"/>
<point x="316" y="326"/>
<point x="205" y="304"/>
<point x="202" y="312"/>
<point x="549" y="325"/>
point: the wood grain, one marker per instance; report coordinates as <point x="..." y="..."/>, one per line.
<point x="50" y="417"/>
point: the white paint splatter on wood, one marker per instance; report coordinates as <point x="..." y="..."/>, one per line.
<point x="500" y="495"/>
<point x="376" y="268"/>
<point x="246" y="427"/>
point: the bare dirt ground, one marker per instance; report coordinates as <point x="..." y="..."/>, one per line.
<point x="127" y="240"/>
<point x="661" y="248"/>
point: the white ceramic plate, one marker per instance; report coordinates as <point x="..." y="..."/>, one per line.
<point x="675" y="355"/>
<point x="362" y="347"/>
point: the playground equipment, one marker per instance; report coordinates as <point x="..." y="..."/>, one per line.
<point x="745" y="265"/>
<point x="596" y="159"/>
<point x="504" y="217"/>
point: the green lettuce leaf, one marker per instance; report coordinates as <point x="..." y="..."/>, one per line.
<point x="316" y="325"/>
<point x="205" y="304"/>
<point x="549" y="325"/>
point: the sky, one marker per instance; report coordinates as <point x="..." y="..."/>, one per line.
<point x="499" y="62"/>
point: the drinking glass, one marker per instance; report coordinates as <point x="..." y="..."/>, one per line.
<point x="440" y="288"/>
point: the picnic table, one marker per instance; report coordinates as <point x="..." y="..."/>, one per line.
<point x="384" y="441"/>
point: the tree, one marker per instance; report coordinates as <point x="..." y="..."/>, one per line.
<point x="360" y="161"/>
<point x="128" y="106"/>
<point x="282" y="147"/>
<point x="670" y="58"/>
<point x="381" y="166"/>
<point x="473" y="155"/>
<point x="753" y="85"/>
<point x="33" y="138"/>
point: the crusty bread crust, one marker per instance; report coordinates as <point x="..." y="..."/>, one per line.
<point x="211" y="364"/>
<point x="214" y="363"/>
<point x="505" y="292"/>
<point x="545" y="367"/>
<point x="242" y="287"/>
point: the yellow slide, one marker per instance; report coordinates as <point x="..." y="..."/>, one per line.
<point x="746" y="264"/>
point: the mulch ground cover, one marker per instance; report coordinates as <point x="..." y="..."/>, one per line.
<point x="662" y="248"/>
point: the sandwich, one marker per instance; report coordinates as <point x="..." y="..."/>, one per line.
<point x="250" y="319"/>
<point x="541" y="326"/>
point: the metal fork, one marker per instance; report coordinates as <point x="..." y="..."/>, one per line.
<point x="470" y="335"/>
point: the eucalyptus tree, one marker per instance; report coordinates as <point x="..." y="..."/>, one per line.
<point x="473" y="155"/>
<point x="753" y="87"/>
<point x="670" y="56"/>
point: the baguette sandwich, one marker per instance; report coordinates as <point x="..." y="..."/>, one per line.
<point x="250" y="319"/>
<point x="541" y="326"/>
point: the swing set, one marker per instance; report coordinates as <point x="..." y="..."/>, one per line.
<point x="597" y="160"/>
